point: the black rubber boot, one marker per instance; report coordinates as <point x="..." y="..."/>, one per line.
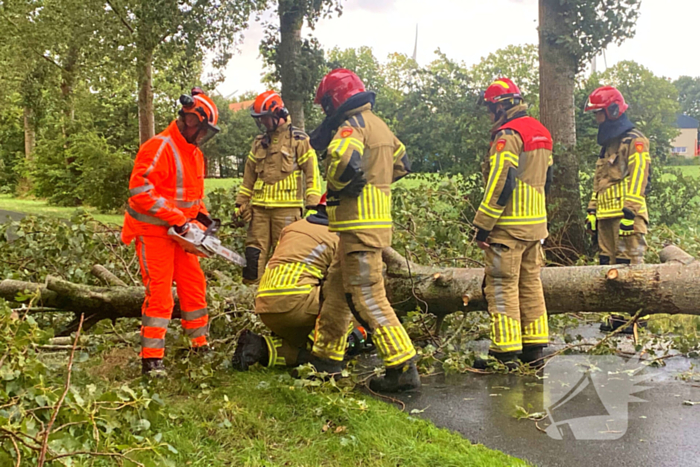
<point x="322" y="365"/>
<point x="397" y="379"/>
<point x="251" y="349"/>
<point x="510" y="360"/>
<point x="614" y="322"/>
<point x="533" y="356"/>
<point x="153" y="367"/>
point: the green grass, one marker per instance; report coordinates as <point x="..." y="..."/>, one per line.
<point x="690" y="170"/>
<point x="259" y="418"/>
<point x="41" y="207"/>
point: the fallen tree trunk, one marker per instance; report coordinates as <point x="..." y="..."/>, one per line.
<point x="672" y="287"/>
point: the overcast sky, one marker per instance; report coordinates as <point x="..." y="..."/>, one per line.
<point x="467" y="30"/>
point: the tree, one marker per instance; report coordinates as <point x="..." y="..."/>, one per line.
<point x="517" y="62"/>
<point x="182" y="28"/>
<point x="572" y="32"/>
<point x="689" y="95"/>
<point x="296" y="63"/>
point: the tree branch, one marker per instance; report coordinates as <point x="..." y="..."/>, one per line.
<point x="121" y="18"/>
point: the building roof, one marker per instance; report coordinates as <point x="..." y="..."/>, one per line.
<point x="238" y="106"/>
<point x="686" y="121"/>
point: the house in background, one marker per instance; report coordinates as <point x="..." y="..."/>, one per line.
<point x="238" y="106"/>
<point x="686" y="144"/>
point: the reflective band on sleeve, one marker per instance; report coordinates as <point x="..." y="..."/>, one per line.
<point x="160" y="202"/>
<point x="146" y="218"/>
<point x="141" y="189"/>
<point x="179" y="173"/>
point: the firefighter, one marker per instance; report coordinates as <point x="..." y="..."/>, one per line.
<point x="365" y="158"/>
<point x="512" y="224"/>
<point x="288" y="298"/>
<point x="167" y="190"/>
<point x="281" y="177"/>
<point x="617" y="212"/>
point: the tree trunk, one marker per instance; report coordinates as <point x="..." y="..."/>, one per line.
<point x="144" y="66"/>
<point x="291" y="21"/>
<point x="558" y="113"/>
<point x="671" y="287"/>
<point x="29" y="133"/>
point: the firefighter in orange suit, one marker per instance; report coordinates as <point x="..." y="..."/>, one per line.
<point x="167" y="189"/>
<point x="281" y="177"/>
<point x="365" y="158"/>
<point x="617" y="212"/>
<point x="512" y="223"/>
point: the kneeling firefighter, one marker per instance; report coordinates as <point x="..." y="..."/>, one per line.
<point x="281" y="177"/>
<point x="288" y="299"/>
<point x="365" y="158"/>
<point x="167" y="190"/>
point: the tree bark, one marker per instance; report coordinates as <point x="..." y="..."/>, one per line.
<point x="291" y="22"/>
<point x="671" y="288"/>
<point x="558" y="69"/>
<point x="29" y="133"/>
<point x="144" y="68"/>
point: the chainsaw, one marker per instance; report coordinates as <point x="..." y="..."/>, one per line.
<point x="204" y="243"/>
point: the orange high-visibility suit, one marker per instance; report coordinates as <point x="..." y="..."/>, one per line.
<point x="167" y="189"/>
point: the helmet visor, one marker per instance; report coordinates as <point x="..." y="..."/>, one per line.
<point x="209" y="132"/>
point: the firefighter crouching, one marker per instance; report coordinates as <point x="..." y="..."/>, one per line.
<point x="281" y="177"/>
<point x="512" y="222"/>
<point x="364" y="159"/>
<point x="617" y="212"/>
<point x="167" y="189"/>
<point x="288" y="298"/>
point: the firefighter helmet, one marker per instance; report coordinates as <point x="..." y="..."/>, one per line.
<point x="501" y="90"/>
<point x="608" y="99"/>
<point x="337" y="87"/>
<point x="269" y="104"/>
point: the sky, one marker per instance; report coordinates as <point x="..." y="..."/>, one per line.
<point x="467" y="30"/>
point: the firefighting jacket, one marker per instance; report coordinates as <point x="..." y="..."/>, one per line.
<point x="300" y="263"/>
<point x="364" y="148"/>
<point x="273" y="171"/>
<point x="622" y="176"/>
<point x="166" y="185"/>
<point x="516" y="173"/>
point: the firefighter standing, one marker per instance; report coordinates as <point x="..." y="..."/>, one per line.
<point x="281" y="177"/>
<point x="617" y="211"/>
<point x="289" y="295"/>
<point x="365" y="158"/>
<point x="512" y="222"/>
<point x="167" y="189"/>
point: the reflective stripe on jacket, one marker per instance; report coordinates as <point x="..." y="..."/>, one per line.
<point x="166" y="185"/>
<point x="622" y="177"/>
<point x="281" y="171"/>
<point x="516" y="174"/>
<point x="300" y="263"/>
<point x="364" y="146"/>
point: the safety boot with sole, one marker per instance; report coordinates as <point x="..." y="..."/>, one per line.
<point x="533" y="357"/>
<point x="322" y="365"/>
<point x="397" y="379"/>
<point x="153" y="368"/>
<point x="510" y="360"/>
<point x="251" y="349"/>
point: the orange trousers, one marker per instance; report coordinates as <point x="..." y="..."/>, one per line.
<point x="162" y="261"/>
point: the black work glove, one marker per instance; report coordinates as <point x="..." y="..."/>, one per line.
<point x="355" y="187"/>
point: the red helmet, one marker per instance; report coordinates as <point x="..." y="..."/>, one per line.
<point x="609" y="99"/>
<point x="322" y="202"/>
<point x="500" y="90"/>
<point x="200" y="105"/>
<point x="270" y="104"/>
<point x="337" y="87"/>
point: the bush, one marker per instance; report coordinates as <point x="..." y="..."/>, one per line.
<point x="674" y="197"/>
<point x="82" y="169"/>
<point x="682" y="161"/>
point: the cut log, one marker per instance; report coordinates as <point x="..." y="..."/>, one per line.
<point x="672" y="287"/>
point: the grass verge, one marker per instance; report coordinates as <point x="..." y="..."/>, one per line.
<point x="260" y="418"/>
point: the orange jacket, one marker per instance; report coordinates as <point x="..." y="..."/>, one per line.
<point x="166" y="186"/>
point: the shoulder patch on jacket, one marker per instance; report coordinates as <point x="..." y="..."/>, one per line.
<point x="500" y="144"/>
<point x="345" y="132"/>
